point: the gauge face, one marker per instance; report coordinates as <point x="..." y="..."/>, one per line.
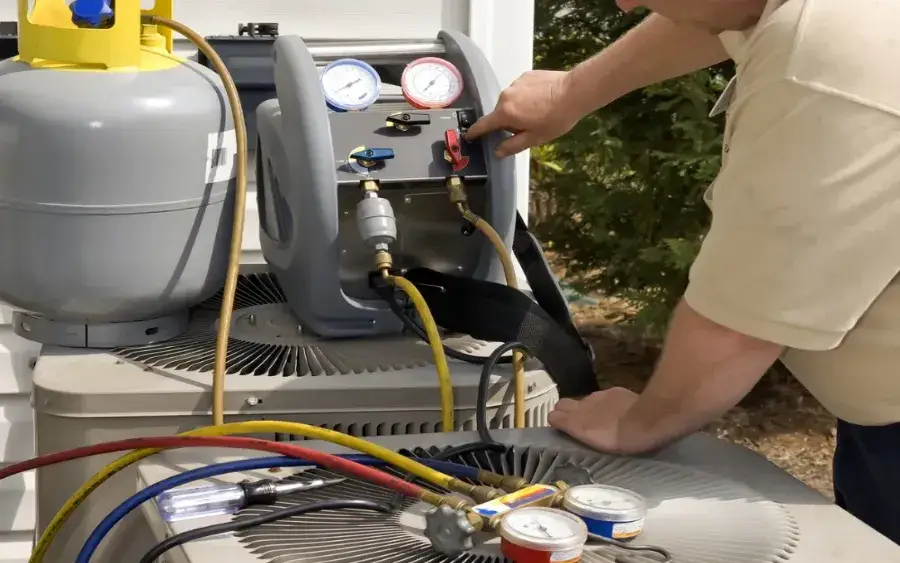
<point x="543" y="525"/>
<point x="350" y="85"/>
<point x="431" y="83"/>
<point x="604" y="498"/>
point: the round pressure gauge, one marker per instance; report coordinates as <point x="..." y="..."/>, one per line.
<point x="533" y="534"/>
<point x="431" y="83"/>
<point x="608" y="512"/>
<point x="350" y="85"/>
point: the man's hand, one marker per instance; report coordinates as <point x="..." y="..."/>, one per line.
<point x="704" y="370"/>
<point x="596" y="420"/>
<point x="533" y="108"/>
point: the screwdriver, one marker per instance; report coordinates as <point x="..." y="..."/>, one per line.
<point x="217" y="500"/>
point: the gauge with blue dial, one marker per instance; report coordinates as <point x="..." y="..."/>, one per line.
<point x="350" y="85"/>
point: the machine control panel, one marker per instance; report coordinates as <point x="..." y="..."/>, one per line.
<point x="405" y="146"/>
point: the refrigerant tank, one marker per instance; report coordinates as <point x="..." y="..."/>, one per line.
<point x="116" y="180"/>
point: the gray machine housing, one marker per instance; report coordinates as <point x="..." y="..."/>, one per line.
<point x="115" y="200"/>
<point x="308" y="194"/>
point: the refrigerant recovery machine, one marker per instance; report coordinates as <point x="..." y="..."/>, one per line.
<point x="390" y="245"/>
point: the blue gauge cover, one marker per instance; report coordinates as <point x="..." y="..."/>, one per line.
<point x="371" y="94"/>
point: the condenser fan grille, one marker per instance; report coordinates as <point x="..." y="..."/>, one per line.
<point x="266" y="341"/>
<point x="699" y="517"/>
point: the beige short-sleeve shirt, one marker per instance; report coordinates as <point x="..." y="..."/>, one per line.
<point x="804" y="245"/>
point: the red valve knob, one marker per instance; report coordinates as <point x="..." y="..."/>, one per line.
<point x="453" y="152"/>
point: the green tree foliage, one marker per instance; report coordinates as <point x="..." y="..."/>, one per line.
<point x="622" y="193"/>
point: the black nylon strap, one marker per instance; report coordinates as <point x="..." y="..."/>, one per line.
<point x="497" y="313"/>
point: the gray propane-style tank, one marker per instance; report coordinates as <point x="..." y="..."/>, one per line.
<point x="116" y="181"/>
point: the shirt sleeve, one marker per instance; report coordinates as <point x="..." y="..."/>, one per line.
<point x="806" y="217"/>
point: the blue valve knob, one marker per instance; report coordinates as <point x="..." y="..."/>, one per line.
<point x="91" y="13"/>
<point x="373" y="156"/>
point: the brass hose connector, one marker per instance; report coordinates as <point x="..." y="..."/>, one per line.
<point x="369" y="185"/>
<point x="508" y="483"/>
<point x="384" y="262"/>
<point x="457" y="191"/>
<point x="482" y="493"/>
<point x="436" y="499"/>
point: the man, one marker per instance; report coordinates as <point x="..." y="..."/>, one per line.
<point x="804" y="246"/>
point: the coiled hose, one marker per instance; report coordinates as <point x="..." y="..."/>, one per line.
<point x="240" y="205"/>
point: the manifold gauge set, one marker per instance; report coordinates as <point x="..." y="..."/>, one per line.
<point x="541" y="524"/>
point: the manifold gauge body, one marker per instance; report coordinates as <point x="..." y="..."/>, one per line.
<point x="350" y="85"/>
<point x="431" y="83"/>
<point x="542" y="535"/>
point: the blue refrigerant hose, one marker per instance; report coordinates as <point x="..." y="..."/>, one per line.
<point x="151" y="492"/>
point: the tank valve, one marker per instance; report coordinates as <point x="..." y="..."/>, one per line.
<point x="94" y="14"/>
<point x="152" y="38"/>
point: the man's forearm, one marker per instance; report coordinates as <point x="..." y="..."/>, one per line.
<point x="705" y="369"/>
<point x="656" y="50"/>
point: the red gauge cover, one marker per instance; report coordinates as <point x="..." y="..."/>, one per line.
<point x="425" y="73"/>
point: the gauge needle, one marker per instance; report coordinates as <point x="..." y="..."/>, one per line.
<point x="349" y="85"/>
<point x="430" y="84"/>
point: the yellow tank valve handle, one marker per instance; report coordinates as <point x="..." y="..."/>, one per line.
<point x="92" y="14"/>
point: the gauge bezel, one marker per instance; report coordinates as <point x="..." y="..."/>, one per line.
<point x="576" y="540"/>
<point x="637" y="511"/>
<point x="422" y="104"/>
<point x="341" y="106"/>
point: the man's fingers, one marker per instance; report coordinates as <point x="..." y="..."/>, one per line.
<point x="487" y="124"/>
<point x="515" y="144"/>
<point x="559" y="419"/>
<point x="565" y="405"/>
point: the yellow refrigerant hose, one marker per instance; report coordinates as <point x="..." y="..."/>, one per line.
<point x="240" y="204"/>
<point x="437" y="347"/>
<point x="509" y="271"/>
<point x="255" y="427"/>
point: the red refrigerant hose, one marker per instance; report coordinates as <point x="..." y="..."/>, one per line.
<point x="329" y="461"/>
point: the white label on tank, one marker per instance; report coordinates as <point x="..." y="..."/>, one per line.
<point x="221" y="151"/>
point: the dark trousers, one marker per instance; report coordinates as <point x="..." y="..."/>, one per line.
<point x="867" y="475"/>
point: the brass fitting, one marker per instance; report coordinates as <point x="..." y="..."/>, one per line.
<point x="436" y="499"/>
<point x="562" y="486"/>
<point x="369" y="185"/>
<point x="508" y="483"/>
<point x="384" y="262"/>
<point x="480" y="493"/>
<point x="457" y="191"/>
<point x="512" y="483"/>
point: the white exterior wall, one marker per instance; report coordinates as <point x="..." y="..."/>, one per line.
<point x="502" y="28"/>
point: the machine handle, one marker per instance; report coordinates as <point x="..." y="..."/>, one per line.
<point x="375" y="52"/>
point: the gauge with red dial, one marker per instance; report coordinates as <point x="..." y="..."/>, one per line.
<point x="431" y="83"/>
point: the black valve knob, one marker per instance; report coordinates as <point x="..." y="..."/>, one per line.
<point x="407" y="119"/>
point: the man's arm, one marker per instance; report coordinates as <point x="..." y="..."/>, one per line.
<point x="705" y="369"/>
<point x="544" y="105"/>
<point x="654" y="51"/>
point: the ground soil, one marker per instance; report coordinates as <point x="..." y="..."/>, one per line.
<point x="779" y="419"/>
